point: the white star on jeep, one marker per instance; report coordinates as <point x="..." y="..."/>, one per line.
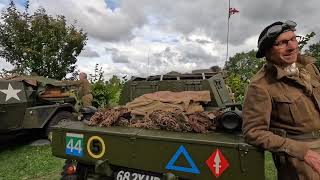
<point x="11" y="93"/>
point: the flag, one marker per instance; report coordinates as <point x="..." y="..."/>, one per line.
<point x="232" y="11"/>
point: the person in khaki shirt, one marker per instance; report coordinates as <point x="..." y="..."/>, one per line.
<point x="85" y="90"/>
<point x="282" y="105"/>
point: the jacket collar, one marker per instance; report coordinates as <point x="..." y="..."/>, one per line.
<point x="279" y="72"/>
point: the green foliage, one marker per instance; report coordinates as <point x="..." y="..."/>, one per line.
<point x="237" y="86"/>
<point x="97" y="75"/>
<point x="314" y="51"/>
<point x="304" y="41"/>
<point x="39" y="43"/>
<point x="114" y="87"/>
<point x="105" y="93"/>
<point x="100" y="94"/>
<point x="241" y="67"/>
<point x="26" y="162"/>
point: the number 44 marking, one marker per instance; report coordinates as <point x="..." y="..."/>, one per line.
<point x="77" y="146"/>
<point x="74" y="144"/>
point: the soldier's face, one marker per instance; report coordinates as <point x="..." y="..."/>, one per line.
<point x="285" y="50"/>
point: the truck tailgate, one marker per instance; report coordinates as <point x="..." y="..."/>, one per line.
<point x="186" y="155"/>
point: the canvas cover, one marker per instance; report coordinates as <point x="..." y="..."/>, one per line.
<point x="187" y="101"/>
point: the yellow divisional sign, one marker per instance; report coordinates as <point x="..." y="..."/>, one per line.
<point x="96" y="147"/>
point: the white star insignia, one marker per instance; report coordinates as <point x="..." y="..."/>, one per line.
<point x="11" y="93"/>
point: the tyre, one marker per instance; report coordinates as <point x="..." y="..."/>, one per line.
<point x="59" y="117"/>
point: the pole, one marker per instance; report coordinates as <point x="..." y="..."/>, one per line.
<point x="148" y="71"/>
<point x="228" y="32"/>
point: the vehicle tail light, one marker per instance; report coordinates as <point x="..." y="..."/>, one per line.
<point x="71" y="169"/>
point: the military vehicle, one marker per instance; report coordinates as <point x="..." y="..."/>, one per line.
<point x="125" y="153"/>
<point x="33" y="103"/>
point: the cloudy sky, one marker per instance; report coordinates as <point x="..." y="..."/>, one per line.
<point x="147" y="37"/>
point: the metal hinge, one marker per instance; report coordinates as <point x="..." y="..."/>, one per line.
<point x="243" y="153"/>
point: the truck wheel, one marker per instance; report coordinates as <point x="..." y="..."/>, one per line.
<point x="59" y="117"/>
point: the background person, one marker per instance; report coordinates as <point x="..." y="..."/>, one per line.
<point x="85" y="90"/>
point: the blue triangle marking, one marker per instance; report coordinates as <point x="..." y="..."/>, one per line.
<point x="182" y="150"/>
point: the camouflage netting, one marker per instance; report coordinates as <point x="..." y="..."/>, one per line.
<point x="172" y="111"/>
<point x="200" y="122"/>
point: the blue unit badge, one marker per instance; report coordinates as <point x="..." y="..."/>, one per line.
<point x="74" y="144"/>
<point x="182" y="150"/>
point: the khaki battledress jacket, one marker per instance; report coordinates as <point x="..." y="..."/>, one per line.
<point x="277" y="100"/>
<point x="85" y="93"/>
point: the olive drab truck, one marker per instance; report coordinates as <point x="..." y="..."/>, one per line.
<point x="31" y="103"/>
<point x="126" y="153"/>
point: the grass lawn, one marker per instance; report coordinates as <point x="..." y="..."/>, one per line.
<point x="28" y="162"/>
<point x="270" y="170"/>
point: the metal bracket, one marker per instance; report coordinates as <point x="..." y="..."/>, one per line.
<point x="103" y="167"/>
<point x="170" y="176"/>
<point x="243" y="152"/>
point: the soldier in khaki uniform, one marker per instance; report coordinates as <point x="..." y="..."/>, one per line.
<point x="282" y="105"/>
<point x="85" y="90"/>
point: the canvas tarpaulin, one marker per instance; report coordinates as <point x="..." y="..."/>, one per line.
<point x="186" y="101"/>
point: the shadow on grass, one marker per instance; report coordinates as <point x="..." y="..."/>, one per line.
<point x="13" y="142"/>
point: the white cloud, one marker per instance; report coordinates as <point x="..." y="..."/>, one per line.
<point x="93" y="15"/>
<point x="88" y="52"/>
<point x="132" y="38"/>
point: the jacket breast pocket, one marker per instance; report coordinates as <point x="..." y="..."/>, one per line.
<point x="287" y="108"/>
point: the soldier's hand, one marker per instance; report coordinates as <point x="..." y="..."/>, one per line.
<point x="313" y="159"/>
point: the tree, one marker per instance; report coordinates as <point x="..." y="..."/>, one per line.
<point x="245" y="64"/>
<point x="314" y="51"/>
<point x="305" y="39"/>
<point x="98" y="74"/>
<point x="39" y="43"/>
<point x="105" y="93"/>
<point x="114" y="87"/>
<point x="240" y="68"/>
